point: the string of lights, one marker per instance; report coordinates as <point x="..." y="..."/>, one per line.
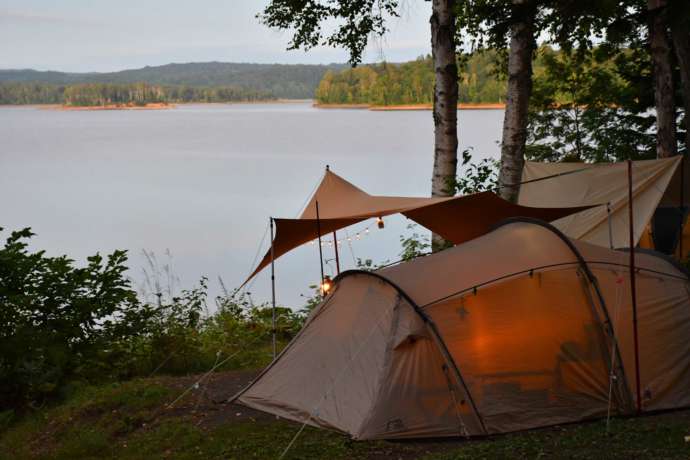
<point x="349" y="239"/>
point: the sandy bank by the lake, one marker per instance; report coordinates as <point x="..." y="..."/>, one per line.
<point x="80" y="108"/>
<point x="409" y="107"/>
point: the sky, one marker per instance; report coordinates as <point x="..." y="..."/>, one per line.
<point x="104" y="36"/>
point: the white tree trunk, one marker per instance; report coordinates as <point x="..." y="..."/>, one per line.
<point x="445" y="103"/>
<point x="522" y="45"/>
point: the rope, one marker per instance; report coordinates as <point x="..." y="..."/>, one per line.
<point x="256" y="258"/>
<point x="614" y="349"/>
<point x="330" y="388"/>
<point x="309" y="196"/>
<point x="210" y="371"/>
<point x="349" y="244"/>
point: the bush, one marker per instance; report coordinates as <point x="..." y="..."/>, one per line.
<point x="61" y="324"/>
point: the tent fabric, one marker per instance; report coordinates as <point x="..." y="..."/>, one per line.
<point x="505" y="332"/>
<point x="578" y="184"/>
<point x="339" y="198"/>
<point x="341" y="204"/>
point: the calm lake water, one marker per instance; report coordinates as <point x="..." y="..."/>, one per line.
<point x="202" y="180"/>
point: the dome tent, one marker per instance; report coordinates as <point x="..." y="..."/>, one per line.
<point x="516" y="329"/>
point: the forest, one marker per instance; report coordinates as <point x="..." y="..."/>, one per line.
<point x="99" y="94"/>
<point x="411" y="83"/>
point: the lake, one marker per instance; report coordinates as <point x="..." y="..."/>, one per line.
<point x="200" y="182"/>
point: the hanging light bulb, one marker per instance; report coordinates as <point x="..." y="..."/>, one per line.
<point x="366" y="230"/>
<point x="357" y="236"/>
<point x="379" y="222"/>
<point x="326" y="285"/>
<point x="349" y="239"/>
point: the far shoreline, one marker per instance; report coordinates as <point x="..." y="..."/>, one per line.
<point x="410" y="107"/>
<point x="315" y="104"/>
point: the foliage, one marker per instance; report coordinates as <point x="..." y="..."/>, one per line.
<point x="349" y="23"/>
<point x="415" y="245"/>
<point x="99" y="94"/>
<point x="476" y="177"/>
<point x="55" y="319"/>
<point x="586" y="107"/>
<point x="369" y="265"/>
<point x="409" y="83"/>
<point x="61" y="324"/>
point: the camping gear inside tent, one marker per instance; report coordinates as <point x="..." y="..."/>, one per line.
<point x="660" y="203"/>
<point x="337" y="203"/>
<point x="519" y="328"/>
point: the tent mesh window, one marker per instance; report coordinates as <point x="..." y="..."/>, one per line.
<point x="666" y="227"/>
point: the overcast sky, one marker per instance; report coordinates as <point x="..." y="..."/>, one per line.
<point x="101" y="35"/>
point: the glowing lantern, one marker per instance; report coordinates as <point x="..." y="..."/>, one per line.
<point x="326" y="285"/>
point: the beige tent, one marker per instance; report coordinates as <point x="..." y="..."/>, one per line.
<point x="655" y="182"/>
<point x="457" y="219"/>
<point x="516" y="329"/>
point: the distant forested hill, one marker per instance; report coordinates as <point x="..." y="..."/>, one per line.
<point x="274" y="80"/>
<point x="409" y="83"/>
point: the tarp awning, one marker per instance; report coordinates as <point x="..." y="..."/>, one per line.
<point x="341" y="204"/>
<point x="581" y="184"/>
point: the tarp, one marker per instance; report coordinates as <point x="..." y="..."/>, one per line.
<point x="505" y="332"/>
<point x="579" y="184"/>
<point x="457" y="219"/>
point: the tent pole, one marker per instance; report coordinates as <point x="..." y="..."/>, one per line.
<point x="682" y="208"/>
<point x="337" y="258"/>
<point x="608" y="213"/>
<point x="318" y="232"/>
<point x="632" y="287"/>
<point x="273" y="293"/>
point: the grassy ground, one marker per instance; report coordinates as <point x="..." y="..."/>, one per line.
<point x="132" y="421"/>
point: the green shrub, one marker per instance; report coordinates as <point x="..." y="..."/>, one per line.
<point x="61" y="324"/>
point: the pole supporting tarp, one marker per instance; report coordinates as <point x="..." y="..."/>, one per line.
<point x="273" y="294"/>
<point x="633" y="290"/>
<point x="318" y="233"/>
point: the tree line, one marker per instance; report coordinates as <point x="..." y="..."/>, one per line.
<point x="99" y="94"/>
<point x="410" y="83"/>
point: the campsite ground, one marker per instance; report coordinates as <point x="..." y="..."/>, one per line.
<point x="131" y="421"/>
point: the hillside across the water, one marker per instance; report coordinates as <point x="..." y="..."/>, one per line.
<point x="278" y="81"/>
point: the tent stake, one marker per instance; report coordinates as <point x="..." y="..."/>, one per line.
<point x="273" y="293"/>
<point x="337" y="259"/>
<point x="633" y="291"/>
<point x="318" y="232"/>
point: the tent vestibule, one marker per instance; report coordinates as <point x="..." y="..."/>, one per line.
<point x="660" y="200"/>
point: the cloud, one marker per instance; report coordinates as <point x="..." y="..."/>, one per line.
<point x="33" y="17"/>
